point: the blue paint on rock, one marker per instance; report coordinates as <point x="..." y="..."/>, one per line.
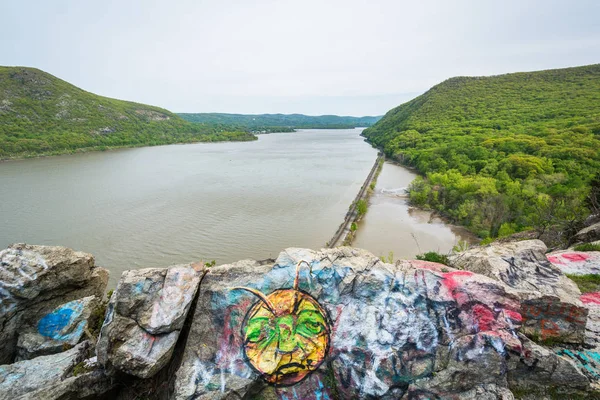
<point x="588" y="361"/>
<point x="57" y="324"/>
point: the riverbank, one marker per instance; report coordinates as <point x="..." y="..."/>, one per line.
<point x="243" y="137"/>
<point x="393" y="227"/>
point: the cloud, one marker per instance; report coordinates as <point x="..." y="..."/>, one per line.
<point x="329" y="56"/>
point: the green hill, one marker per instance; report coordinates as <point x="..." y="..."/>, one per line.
<point x="501" y="153"/>
<point x="41" y="114"/>
<point x="272" y="122"/>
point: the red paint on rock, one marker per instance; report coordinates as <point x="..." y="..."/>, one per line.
<point x="590" y="298"/>
<point x="515" y="316"/>
<point x="450" y="281"/>
<point x="555" y="260"/>
<point x="483" y="317"/>
<point x="431" y="266"/>
<point x="575" y="257"/>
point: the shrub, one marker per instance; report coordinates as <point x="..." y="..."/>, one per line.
<point x="434" y="257"/>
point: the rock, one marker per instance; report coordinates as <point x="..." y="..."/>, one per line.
<point x="540" y="369"/>
<point x="36" y="279"/>
<point x="28" y="376"/>
<point x="550" y="304"/>
<point x="576" y="262"/>
<point x="592" y="329"/>
<point x="64" y="327"/>
<point x="91" y="385"/>
<point x="589" y="234"/>
<point x="355" y="328"/>
<point x="145" y="315"/>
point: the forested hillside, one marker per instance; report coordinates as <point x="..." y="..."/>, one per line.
<point x="271" y="122"/>
<point x="504" y="153"/>
<point x="41" y="114"/>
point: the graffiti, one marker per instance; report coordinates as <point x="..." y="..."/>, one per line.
<point x="552" y="318"/>
<point x="576" y="263"/>
<point x="58" y="325"/>
<point x="588" y="361"/>
<point x="590" y="298"/>
<point x="17" y="269"/>
<point x="286" y="334"/>
<point x="345" y="327"/>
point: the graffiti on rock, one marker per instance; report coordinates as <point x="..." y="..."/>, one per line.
<point x="550" y="318"/>
<point x="17" y="268"/>
<point x="286" y="334"/>
<point x="576" y="263"/>
<point x="372" y="332"/>
<point x="588" y="361"/>
<point x="590" y="298"/>
<point x="58" y="324"/>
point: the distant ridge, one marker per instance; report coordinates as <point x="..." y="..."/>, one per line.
<point x="288" y="121"/>
<point x="41" y="114"/>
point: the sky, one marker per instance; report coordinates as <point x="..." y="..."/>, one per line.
<point x="345" y="57"/>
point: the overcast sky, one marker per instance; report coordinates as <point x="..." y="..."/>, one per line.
<point x="348" y="57"/>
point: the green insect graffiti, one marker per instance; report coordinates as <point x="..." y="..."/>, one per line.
<point x="286" y="334"/>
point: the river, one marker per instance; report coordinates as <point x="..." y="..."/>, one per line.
<point x="157" y="206"/>
<point x="391" y="225"/>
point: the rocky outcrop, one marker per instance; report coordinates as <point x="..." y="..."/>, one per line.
<point x="145" y="315"/>
<point x="351" y="326"/>
<point x="588" y="234"/>
<point x="550" y="304"/>
<point x="62" y="328"/>
<point x="336" y="323"/>
<point x="576" y="262"/>
<point x="36" y="279"/>
<point x="25" y="377"/>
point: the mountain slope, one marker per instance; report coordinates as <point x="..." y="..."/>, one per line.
<point x="510" y="151"/>
<point x="289" y="121"/>
<point x="41" y="114"/>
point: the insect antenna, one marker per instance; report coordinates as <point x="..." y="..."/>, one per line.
<point x="258" y="294"/>
<point x="296" y="283"/>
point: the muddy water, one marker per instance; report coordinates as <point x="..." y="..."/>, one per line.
<point x="157" y="206"/>
<point x="391" y="225"/>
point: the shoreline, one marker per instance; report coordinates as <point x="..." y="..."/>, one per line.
<point x="98" y="149"/>
<point x="434" y="213"/>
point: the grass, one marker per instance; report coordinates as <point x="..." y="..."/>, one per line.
<point x="587" y="247"/>
<point x="586" y="283"/>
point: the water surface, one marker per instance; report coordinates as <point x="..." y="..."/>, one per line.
<point x="157" y="206"/>
<point x="391" y="225"/>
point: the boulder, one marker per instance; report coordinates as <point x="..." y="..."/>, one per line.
<point x="347" y="325"/>
<point x="144" y="317"/>
<point x="576" y="262"/>
<point x="63" y="327"/>
<point x="589" y="234"/>
<point x="592" y="329"/>
<point x="90" y="385"/>
<point x="36" y="279"/>
<point x="25" y="377"/>
<point x="539" y="369"/>
<point x="550" y="304"/>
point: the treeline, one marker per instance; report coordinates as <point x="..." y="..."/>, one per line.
<point x="502" y="154"/>
<point x="41" y="114"/>
<point x="281" y="122"/>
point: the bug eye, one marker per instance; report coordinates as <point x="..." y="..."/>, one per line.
<point x="258" y="330"/>
<point x="311" y="327"/>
